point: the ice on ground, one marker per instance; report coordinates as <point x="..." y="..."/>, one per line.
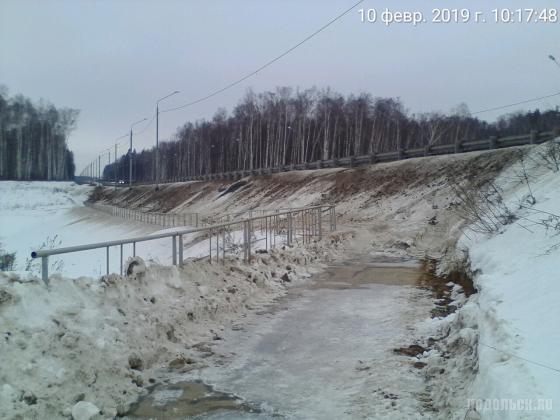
<point x="327" y="354"/>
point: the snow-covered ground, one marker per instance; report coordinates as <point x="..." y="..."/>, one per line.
<point x="499" y="350"/>
<point x="36" y="215"/>
<point x="518" y="309"/>
<point x="101" y="341"/>
<point x="500" y="343"/>
<point x="52" y="215"/>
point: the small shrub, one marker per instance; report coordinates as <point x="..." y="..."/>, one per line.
<point x="550" y="156"/>
<point x="483" y="208"/>
<point x="7" y="260"/>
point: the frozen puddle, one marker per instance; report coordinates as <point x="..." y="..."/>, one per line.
<point x="185" y="400"/>
<point x="326" y="351"/>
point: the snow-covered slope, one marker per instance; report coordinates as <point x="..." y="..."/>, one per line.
<point x="36" y="215"/>
<point x="519" y="283"/>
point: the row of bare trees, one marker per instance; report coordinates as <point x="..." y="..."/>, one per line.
<point x="33" y="140"/>
<point x="289" y="127"/>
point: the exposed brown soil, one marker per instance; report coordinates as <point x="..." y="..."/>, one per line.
<point x="440" y="288"/>
<point x="442" y="293"/>
<point x="378" y="181"/>
<point x="388" y="180"/>
<point x="412" y="350"/>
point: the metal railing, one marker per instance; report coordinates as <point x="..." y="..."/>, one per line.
<point x="267" y="231"/>
<point x="181" y="219"/>
<point x="245" y="214"/>
<point x="154" y="218"/>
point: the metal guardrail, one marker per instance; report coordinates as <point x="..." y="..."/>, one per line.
<point x="534" y="137"/>
<point x="181" y="219"/>
<point x="229" y="217"/>
<point x="154" y="218"/>
<point x="286" y="227"/>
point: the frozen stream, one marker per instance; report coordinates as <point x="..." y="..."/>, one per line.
<point x="324" y="351"/>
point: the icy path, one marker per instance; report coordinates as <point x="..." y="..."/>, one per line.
<point x="326" y="352"/>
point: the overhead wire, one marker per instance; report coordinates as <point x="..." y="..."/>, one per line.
<point x="267" y="64"/>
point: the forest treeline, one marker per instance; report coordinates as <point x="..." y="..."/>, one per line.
<point x="289" y="127"/>
<point x="33" y="140"/>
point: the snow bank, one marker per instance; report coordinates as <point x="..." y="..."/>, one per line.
<point x="518" y="303"/>
<point x="101" y="342"/>
<point x="498" y="352"/>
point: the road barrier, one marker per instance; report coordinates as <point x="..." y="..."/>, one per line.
<point x="288" y="227"/>
<point x="490" y="143"/>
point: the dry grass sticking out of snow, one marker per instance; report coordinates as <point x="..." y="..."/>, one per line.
<point x="499" y="348"/>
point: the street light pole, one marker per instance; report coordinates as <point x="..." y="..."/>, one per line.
<point x="115" y="163"/>
<point x="157" y="136"/>
<point x="130" y="153"/>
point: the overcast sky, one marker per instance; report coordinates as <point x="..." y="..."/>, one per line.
<point x="112" y="59"/>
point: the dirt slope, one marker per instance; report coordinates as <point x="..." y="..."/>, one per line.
<point x="405" y="206"/>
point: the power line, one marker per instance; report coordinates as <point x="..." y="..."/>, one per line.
<point x="515" y="104"/>
<point x="147" y="126"/>
<point x="521" y="358"/>
<point x="268" y="63"/>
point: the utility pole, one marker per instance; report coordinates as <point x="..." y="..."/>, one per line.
<point x="130" y="153"/>
<point x="130" y="161"/>
<point x="157" y="136"/>
<point x="99" y="167"/>
<point x="115" y="163"/>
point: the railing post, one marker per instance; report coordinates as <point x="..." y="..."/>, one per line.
<point x="333" y="219"/>
<point x="224" y="246"/>
<point x="174" y="247"/>
<point x="249" y="231"/>
<point x="458" y="146"/>
<point x="289" y="235"/>
<point x="266" y="233"/>
<point x="218" y="246"/>
<point x="319" y="226"/>
<point x="533" y="137"/>
<point x="210" y="244"/>
<point x="246" y="241"/>
<point x="45" y="269"/>
<point x="180" y="250"/>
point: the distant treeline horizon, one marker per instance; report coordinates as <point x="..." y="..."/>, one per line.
<point x="287" y="127"/>
<point x="33" y="139"/>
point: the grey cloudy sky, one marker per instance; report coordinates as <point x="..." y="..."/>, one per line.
<point x="113" y="59"/>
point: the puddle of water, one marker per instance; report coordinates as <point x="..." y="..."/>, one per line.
<point x="185" y="400"/>
<point x="353" y="276"/>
